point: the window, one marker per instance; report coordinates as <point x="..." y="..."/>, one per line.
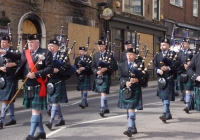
<point x="130" y="36"/>
<point x="156" y="9"/>
<point x="177" y="2"/>
<point x="195" y="8"/>
<point x="133" y="6"/>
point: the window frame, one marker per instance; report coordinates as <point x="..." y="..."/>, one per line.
<point x="196" y="10"/>
<point x="158" y="10"/>
<point x="142" y="8"/>
<point x="173" y="2"/>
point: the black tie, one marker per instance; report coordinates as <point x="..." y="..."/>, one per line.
<point x="129" y="65"/>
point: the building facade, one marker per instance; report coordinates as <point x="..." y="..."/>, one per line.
<point x="183" y="16"/>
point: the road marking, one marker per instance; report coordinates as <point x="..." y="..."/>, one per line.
<point x="97" y="120"/>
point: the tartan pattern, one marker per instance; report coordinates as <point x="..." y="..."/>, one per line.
<point x="189" y="85"/>
<point x="105" y="87"/>
<point x="196" y="98"/>
<point x="60" y="93"/>
<point x="84" y="85"/>
<point x="10" y="89"/>
<point x="135" y="102"/>
<point x="37" y="102"/>
<point x="168" y="92"/>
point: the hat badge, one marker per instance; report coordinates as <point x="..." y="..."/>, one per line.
<point x="35" y="36"/>
<point x="82" y="48"/>
<point x="54" y="41"/>
<point x="102" y="42"/>
<point x="165" y="40"/>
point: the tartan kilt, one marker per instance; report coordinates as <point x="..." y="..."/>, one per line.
<point x="167" y="93"/>
<point x="9" y="90"/>
<point x="196" y="98"/>
<point x="37" y="102"/>
<point x="135" y="102"/>
<point x="103" y="88"/>
<point x="60" y="93"/>
<point x="189" y="85"/>
<point x="85" y="84"/>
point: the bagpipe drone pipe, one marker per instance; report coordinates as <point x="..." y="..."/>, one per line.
<point x="107" y="60"/>
<point x="62" y="61"/>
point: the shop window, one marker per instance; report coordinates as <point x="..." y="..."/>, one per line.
<point x="178" y="3"/>
<point x="195" y="8"/>
<point x="156" y="9"/>
<point x="133" y="6"/>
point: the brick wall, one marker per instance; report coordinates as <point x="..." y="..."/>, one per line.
<point x="181" y="14"/>
<point x="54" y="14"/>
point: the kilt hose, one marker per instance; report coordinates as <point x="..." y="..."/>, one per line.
<point x="196" y="98"/>
<point x="9" y="90"/>
<point x="168" y="92"/>
<point x="85" y="84"/>
<point x="103" y="88"/>
<point x="189" y="85"/>
<point x="135" y="102"/>
<point x="60" y="93"/>
<point x="36" y="102"/>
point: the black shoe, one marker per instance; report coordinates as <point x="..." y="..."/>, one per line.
<point x="134" y="131"/>
<point x="60" y="122"/>
<point x="49" y="125"/>
<point x="1" y="125"/>
<point x="186" y="110"/>
<point x="128" y="132"/>
<point x="11" y="122"/>
<point x="101" y="112"/>
<point x="29" y="137"/>
<point x="163" y="117"/>
<point x="49" y="112"/>
<point x="106" y="111"/>
<point x="168" y="117"/>
<point x="40" y="135"/>
<point x="83" y="105"/>
<point x="176" y="94"/>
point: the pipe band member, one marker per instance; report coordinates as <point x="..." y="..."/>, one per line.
<point x="35" y="87"/>
<point x="83" y="71"/>
<point x="8" y="85"/>
<point x="102" y="71"/>
<point x="165" y="90"/>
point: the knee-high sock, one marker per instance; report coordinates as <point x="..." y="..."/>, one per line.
<point x="84" y="97"/>
<point x="3" y="115"/>
<point x="49" y="107"/>
<point x="35" y="119"/>
<point x="53" y="113"/>
<point x="59" y="113"/>
<point x="166" y="106"/>
<point x="11" y="111"/>
<point x="104" y="102"/>
<point x="188" y="99"/>
<point x="131" y="119"/>
<point x="40" y="126"/>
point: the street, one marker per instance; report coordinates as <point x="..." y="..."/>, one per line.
<point x="85" y="124"/>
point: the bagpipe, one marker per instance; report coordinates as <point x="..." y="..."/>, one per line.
<point x="10" y="70"/>
<point x="85" y="62"/>
<point x="87" y="59"/>
<point x="107" y="60"/>
<point x="138" y="72"/>
<point x="62" y="61"/>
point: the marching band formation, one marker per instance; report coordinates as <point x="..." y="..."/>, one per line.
<point x="44" y="72"/>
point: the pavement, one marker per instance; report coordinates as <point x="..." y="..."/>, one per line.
<point x="182" y="126"/>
